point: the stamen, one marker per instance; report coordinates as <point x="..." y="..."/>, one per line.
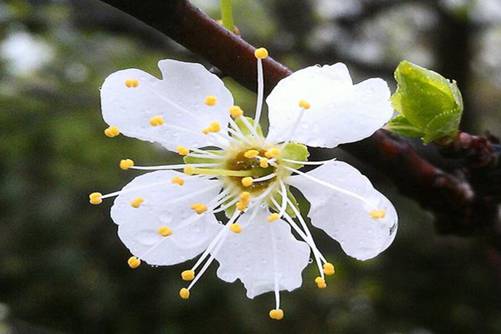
<point x="126" y="164"/>
<point x="263" y="162"/>
<point x="245" y="196"/>
<point x="181" y="150"/>
<point x="236" y="111"/>
<point x="250" y="127"/>
<point x="164" y="231"/>
<point x="210" y="100"/>
<point x="277" y="314"/>
<point x="96" y="198"/>
<point x="157" y="120"/>
<point x="169" y="167"/>
<point x="212" y="128"/>
<point x="329" y="269"/>
<point x="377" y="214"/>
<point x="111" y="131"/>
<point x="260" y="54"/>
<point x="199" y="208"/>
<point x="247" y="181"/>
<point x="265" y="178"/>
<point x="177" y="180"/>
<point x="304" y="104"/>
<point x="188" y="275"/>
<point x="136" y="202"/>
<point x="272" y="153"/>
<point x="320" y="281"/>
<point x="251" y="154"/>
<point x="133" y="262"/>
<point x="307" y="162"/>
<point x="184" y="293"/>
<point x="235" y="228"/>
<point x="273" y="217"/>
<point x="242" y="206"/>
<point x="131" y="83"/>
<point x="328" y="185"/>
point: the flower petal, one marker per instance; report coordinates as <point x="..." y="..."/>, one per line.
<point x="340" y="112"/>
<point x="179" y="98"/>
<point x="262" y="253"/>
<point x="344" y="217"/>
<point x="165" y="205"/>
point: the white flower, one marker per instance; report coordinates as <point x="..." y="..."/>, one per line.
<point x="167" y="217"/>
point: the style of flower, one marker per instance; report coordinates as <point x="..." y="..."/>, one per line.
<point x="176" y="212"/>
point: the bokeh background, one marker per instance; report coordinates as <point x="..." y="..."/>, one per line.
<point x="62" y="266"/>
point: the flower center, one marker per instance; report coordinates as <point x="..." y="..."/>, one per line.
<point x="254" y="161"/>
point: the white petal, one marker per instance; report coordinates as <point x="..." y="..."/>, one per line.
<point x="340" y="111"/>
<point x="165" y="204"/>
<point x="345" y="218"/>
<point x="178" y="97"/>
<point x="262" y="253"/>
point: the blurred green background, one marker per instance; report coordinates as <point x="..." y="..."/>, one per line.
<point x="62" y="266"/>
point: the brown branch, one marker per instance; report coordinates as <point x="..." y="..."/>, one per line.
<point x="459" y="205"/>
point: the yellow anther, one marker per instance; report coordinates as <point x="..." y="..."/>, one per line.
<point x="189" y="170"/>
<point x="181" y="150"/>
<point x="277" y="314"/>
<point x="272" y="153"/>
<point x="261" y="53"/>
<point x="164" y="231"/>
<point x="131" y="83"/>
<point x="263" y="163"/>
<point x="251" y="154"/>
<point x="236" y="111"/>
<point x="235" y="228"/>
<point x="377" y="214"/>
<point x="136" y="202"/>
<point x="210" y="100"/>
<point x="96" y="198"/>
<point x="157" y="120"/>
<point x="273" y="217"/>
<point x="320" y="282"/>
<point x="304" y="104"/>
<point x="199" y="208"/>
<point x="126" y="164"/>
<point x="242" y="205"/>
<point x="177" y="180"/>
<point x="245" y="196"/>
<point x="111" y="131"/>
<point x="184" y="293"/>
<point x="247" y="181"/>
<point x="133" y="262"/>
<point x="329" y="269"/>
<point x="213" y="127"/>
<point x="188" y="275"/>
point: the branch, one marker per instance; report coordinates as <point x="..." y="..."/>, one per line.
<point x="457" y="196"/>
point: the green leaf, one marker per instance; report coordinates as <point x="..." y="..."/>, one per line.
<point x="402" y="126"/>
<point x="294" y="151"/>
<point x="430" y="106"/>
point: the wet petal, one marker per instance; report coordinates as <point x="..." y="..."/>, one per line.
<point x="345" y="218"/>
<point x="133" y="100"/>
<point x="340" y="112"/>
<point x="262" y="253"/>
<point x="165" y="204"/>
